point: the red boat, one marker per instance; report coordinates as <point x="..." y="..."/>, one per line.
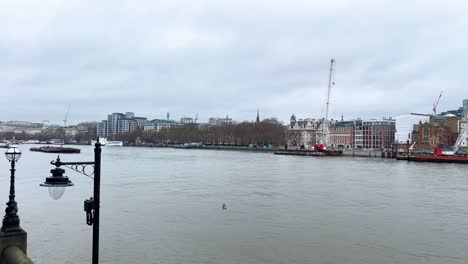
<point x="440" y="158"/>
<point x="437" y="156"/>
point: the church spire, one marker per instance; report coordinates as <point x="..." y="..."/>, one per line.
<point x="258" y="117"/>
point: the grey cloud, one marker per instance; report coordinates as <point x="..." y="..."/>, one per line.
<point x="218" y="58"/>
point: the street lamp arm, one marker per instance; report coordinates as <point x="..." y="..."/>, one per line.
<point x="79" y="167"/>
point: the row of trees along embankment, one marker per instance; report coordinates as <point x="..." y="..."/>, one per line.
<point x="266" y="132"/>
<point x="246" y="133"/>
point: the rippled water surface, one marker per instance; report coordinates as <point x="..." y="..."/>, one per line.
<point x="164" y="206"/>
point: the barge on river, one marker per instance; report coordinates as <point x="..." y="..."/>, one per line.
<point x="50" y="149"/>
<point x="436" y="158"/>
<point x="443" y="156"/>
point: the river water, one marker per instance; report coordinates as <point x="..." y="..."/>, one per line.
<point x="163" y="205"/>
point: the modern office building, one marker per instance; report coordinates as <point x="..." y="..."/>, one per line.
<point x="102" y="128"/>
<point x="377" y="134"/>
<point x="113" y="123"/>
<point x="119" y="123"/>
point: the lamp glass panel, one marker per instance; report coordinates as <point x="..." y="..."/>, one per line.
<point x="56" y="192"/>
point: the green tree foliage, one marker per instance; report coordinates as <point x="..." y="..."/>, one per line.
<point x="269" y="131"/>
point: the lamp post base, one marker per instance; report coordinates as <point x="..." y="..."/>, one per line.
<point x="14" y="238"/>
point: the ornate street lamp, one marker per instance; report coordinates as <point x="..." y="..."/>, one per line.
<point x="11" y="221"/>
<point x="58" y="181"/>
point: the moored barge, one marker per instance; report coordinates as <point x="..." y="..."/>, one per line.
<point x="438" y="158"/>
<point x="335" y="153"/>
<point x="49" y="149"/>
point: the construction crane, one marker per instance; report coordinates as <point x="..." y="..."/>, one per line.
<point x="325" y="129"/>
<point x="65" y="120"/>
<point x="462" y="137"/>
<point x="434" y="108"/>
<point x="330" y="83"/>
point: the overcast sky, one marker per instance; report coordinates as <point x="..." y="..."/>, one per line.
<point x="219" y="58"/>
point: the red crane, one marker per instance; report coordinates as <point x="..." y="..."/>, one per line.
<point x="434" y="108"/>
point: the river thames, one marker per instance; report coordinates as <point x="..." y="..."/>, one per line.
<point x="162" y="205"/>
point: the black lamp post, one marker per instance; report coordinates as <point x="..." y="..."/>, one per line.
<point x="57" y="183"/>
<point x="11" y="221"/>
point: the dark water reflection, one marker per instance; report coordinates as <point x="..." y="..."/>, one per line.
<point x="164" y="206"/>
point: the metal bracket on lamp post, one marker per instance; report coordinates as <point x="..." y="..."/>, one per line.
<point x="79" y="167"/>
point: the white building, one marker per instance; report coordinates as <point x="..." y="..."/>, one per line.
<point x="187" y="120"/>
<point x="159" y="124"/>
<point x="304" y="133"/>
<point x="218" y="121"/>
<point x="21" y="127"/>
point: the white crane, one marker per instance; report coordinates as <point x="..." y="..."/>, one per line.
<point x="325" y="126"/>
<point x="461" y="138"/>
<point x="65" y="120"/>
